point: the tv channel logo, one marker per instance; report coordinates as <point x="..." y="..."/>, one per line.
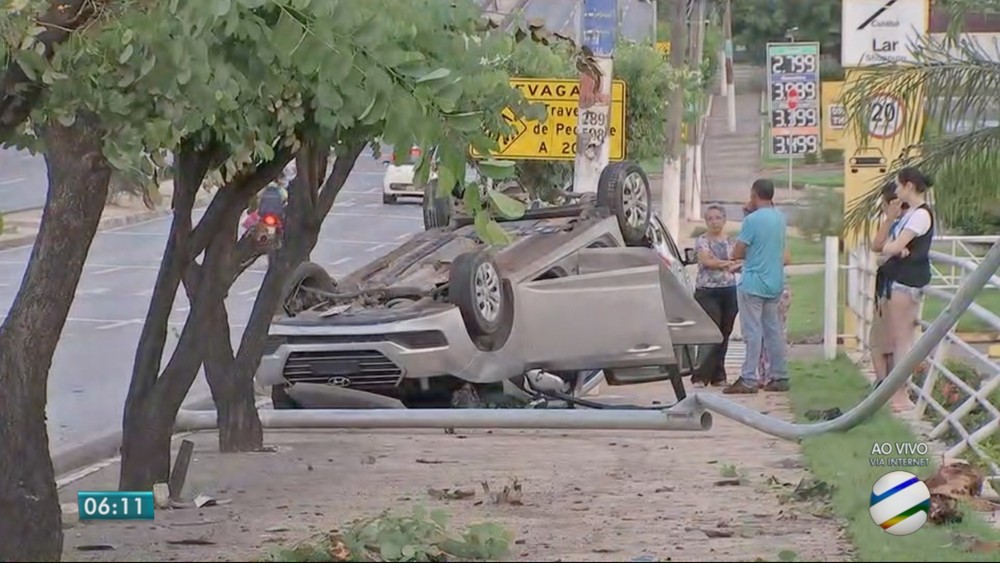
<point x="899" y="503"/>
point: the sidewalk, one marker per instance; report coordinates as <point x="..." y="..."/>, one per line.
<point x="21" y="228"/>
<point x="585" y="495"/>
<point x="732" y="160"/>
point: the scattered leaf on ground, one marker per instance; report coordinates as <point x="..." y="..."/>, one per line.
<point x="510" y="494"/>
<point x="451" y="494"/>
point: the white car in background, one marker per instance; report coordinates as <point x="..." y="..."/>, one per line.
<point x="398" y="180"/>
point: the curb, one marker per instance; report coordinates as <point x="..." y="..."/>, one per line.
<point x="71" y="464"/>
<point x="105" y="224"/>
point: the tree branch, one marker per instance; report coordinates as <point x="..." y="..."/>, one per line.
<point x="235" y="193"/>
<point x="18" y="93"/>
<point x="342" y="167"/>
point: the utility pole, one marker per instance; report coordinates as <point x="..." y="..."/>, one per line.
<point x="689" y="137"/>
<point x="727" y="24"/>
<point x="593" y="146"/>
<point x="692" y="194"/>
<point x="578" y="23"/>
<point x="672" y="126"/>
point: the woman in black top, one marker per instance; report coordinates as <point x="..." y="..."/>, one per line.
<point x="907" y="267"/>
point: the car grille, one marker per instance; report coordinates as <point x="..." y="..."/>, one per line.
<point x="353" y="368"/>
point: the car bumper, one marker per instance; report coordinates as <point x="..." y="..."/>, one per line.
<point x="379" y="355"/>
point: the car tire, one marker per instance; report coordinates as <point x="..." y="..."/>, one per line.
<point x="476" y="288"/>
<point x="437" y="208"/>
<point x="280" y="400"/>
<point x="307" y="274"/>
<point x="388" y="199"/>
<point x="624" y="189"/>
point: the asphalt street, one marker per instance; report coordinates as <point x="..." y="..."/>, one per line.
<point x="635" y="22"/>
<point x="93" y="362"/>
<point x="23" y="180"/>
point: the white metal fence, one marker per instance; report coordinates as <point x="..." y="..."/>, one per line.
<point x="963" y="409"/>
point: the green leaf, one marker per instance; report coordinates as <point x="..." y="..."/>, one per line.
<point x="368" y="32"/>
<point x="495" y="234"/>
<point x="472" y="198"/>
<point x="787" y="555"/>
<point x="467" y="122"/>
<point x="507" y="206"/>
<point x="390" y="551"/>
<point x="434" y="75"/>
<point x="221" y="7"/>
<point x="447" y="97"/>
<point x="126" y="54"/>
<point x="446" y="179"/>
<point x="497" y="169"/>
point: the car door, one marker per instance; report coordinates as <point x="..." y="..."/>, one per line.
<point x="663" y="243"/>
<point x="610" y="313"/>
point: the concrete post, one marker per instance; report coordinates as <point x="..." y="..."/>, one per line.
<point x="593" y="147"/>
<point x="830" y="294"/>
<point x="673" y="145"/>
<point x="727" y="24"/>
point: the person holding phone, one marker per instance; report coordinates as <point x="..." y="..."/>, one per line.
<point x="907" y="268"/>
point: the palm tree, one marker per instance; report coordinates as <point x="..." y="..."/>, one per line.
<point x="958" y="84"/>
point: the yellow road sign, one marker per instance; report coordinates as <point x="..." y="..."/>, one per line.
<point x="663" y="47"/>
<point x="555" y="139"/>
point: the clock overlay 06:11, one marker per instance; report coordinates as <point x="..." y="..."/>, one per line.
<point x="793" y="84"/>
<point x="115" y="505"/>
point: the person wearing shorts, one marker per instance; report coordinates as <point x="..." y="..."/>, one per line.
<point x="907" y="268"/>
<point x="879" y="340"/>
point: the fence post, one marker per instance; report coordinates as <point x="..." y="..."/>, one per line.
<point x="832" y="271"/>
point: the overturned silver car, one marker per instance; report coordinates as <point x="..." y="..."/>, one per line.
<point x="596" y="286"/>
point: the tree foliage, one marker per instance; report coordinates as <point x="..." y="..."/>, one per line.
<point x="757" y="22"/>
<point x="249" y="74"/>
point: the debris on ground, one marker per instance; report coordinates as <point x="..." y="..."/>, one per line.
<point x="955" y="482"/>
<point x="510" y="494"/>
<point x="422" y="536"/>
<point x="450" y="494"/>
<point x="971" y="544"/>
<point x="828" y="414"/>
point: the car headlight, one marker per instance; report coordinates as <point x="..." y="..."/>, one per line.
<point x="854" y="160"/>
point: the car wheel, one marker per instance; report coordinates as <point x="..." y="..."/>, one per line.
<point x="388" y="199"/>
<point x="624" y="189"/>
<point x="437" y="208"/>
<point x="308" y="275"/>
<point x="475" y="287"/>
<point x="280" y="399"/>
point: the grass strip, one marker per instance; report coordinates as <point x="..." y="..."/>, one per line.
<point x="843" y="461"/>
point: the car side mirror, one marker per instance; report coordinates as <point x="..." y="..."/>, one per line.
<point x="690" y="256"/>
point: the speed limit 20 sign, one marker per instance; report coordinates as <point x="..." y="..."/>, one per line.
<point x="885" y="116"/>
<point x="793" y="85"/>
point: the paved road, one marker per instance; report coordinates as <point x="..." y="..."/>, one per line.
<point x="636" y="17"/>
<point x="92" y="365"/>
<point x="23" y="180"/>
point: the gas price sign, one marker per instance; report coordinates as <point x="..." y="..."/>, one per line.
<point x="793" y="86"/>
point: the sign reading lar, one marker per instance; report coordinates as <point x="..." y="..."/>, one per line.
<point x="555" y="139"/>
<point x="877" y="31"/>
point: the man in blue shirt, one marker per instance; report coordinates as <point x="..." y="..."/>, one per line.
<point x="761" y="246"/>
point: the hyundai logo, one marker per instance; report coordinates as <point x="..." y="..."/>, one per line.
<point x="339" y="381"/>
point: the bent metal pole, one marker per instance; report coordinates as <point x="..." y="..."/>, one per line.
<point x="896" y="379"/>
<point x="696" y="419"/>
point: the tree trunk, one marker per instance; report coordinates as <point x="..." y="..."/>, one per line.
<point x="146" y="452"/>
<point x="239" y="426"/>
<point x="31" y="527"/>
<point x="139" y="470"/>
